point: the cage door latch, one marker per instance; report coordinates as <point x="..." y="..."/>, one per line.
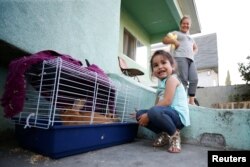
<point x="27" y="120"/>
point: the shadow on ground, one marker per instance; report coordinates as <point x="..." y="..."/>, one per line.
<point x="134" y="154"/>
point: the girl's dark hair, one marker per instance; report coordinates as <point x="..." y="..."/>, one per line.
<point x="165" y="54"/>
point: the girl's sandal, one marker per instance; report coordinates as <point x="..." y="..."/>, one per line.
<point x="161" y="140"/>
<point x="175" y="143"/>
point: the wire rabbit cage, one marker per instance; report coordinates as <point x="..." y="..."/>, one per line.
<point x="69" y="109"/>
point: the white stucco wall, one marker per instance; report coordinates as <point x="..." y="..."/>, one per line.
<point x="207" y="78"/>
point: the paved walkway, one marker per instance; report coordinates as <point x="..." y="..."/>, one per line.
<point x="135" y="154"/>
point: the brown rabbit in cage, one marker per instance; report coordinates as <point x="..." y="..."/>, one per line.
<point x="73" y="116"/>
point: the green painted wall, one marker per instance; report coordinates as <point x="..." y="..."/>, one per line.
<point x="81" y="28"/>
<point x="226" y="128"/>
<point x="134" y="28"/>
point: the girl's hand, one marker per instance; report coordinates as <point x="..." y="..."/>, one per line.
<point x="133" y="115"/>
<point x="143" y="120"/>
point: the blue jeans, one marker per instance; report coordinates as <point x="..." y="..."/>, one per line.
<point x="162" y="119"/>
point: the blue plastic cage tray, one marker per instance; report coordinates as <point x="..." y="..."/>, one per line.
<point x="60" y="141"/>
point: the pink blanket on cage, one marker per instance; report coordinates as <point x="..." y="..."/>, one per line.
<point x="14" y="93"/>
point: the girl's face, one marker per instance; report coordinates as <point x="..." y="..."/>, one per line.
<point x="185" y="25"/>
<point x="161" y="67"/>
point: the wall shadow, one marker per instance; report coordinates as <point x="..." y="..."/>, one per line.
<point x="9" y="52"/>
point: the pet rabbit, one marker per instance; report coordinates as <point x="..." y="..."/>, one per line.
<point x="75" y="116"/>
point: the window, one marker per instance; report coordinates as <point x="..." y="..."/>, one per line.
<point x="129" y="44"/>
<point x="134" y="49"/>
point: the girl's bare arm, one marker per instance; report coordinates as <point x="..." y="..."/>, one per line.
<point x="171" y="85"/>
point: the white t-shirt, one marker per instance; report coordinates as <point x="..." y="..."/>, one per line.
<point x="186" y="45"/>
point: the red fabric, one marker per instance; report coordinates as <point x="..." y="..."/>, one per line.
<point x="14" y="93"/>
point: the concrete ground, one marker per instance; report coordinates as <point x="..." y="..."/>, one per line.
<point x="134" y="154"/>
